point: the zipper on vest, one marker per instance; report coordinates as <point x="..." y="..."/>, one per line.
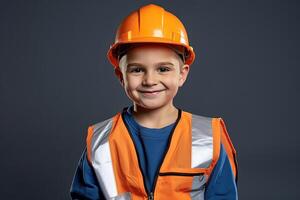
<point x="150" y="194"/>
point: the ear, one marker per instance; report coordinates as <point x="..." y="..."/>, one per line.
<point x="184" y="71"/>
<point x="119" y="75"/>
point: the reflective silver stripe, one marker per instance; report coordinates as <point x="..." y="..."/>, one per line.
<point x="198" y="187"/>
<point x="101" y="159"/>
<point x="124" y="196"/>
<point x="202" y="152"/>
<point x="202" y="141"/>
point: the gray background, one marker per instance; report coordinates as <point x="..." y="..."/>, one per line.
<point x="55" y="80"/>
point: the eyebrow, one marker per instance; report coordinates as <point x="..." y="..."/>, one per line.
<point x="140" y="64"/>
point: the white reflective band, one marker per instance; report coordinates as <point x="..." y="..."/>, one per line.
<point x="202" y="141"/>
<point x="124" y="196"/>
<point x="198" y="187"/>
<point x="101" y="159"/>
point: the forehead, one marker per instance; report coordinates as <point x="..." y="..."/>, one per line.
<point x="150" y="53"/>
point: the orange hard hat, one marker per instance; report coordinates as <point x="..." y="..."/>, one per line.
<point x="151" y="24"/>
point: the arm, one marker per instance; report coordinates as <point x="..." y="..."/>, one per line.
<point x="85" y="185"/>
<point x="222" y="184"/>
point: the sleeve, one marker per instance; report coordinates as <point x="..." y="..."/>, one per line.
<point x="85" y="185"/>
<point x="222" y="183"/>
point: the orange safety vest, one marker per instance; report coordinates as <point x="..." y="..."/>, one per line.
<point x="193" y="151"/>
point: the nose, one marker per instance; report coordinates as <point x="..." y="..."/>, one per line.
<point x="149" y="79"/>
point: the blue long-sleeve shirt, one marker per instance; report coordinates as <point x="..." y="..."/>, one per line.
<point x="151" y="144"/>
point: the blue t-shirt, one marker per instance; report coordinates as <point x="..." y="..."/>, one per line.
<point x="151" y="145"/>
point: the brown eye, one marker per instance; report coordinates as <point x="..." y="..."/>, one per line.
<point x="136" y="70"/>
<point x="163" y="69"/>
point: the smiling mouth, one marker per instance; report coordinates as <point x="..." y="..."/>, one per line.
<point x="150" y="92"/>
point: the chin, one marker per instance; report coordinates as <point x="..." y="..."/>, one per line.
<point x="151" y="106"/>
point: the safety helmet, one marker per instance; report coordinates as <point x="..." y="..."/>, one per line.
<point x="151" y="24"/>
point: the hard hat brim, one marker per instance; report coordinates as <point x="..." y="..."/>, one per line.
<point x="112" y="54"/>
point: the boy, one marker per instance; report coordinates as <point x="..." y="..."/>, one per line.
<point x="152" y="149"/>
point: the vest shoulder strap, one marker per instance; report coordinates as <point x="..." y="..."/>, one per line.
<point x="98" y="134"/>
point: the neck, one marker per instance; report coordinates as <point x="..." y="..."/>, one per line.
<point x="155" y="118"/>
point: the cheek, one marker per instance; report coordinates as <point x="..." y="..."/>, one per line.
<point x="132" y="82"/>
<point x="173" y="81"/>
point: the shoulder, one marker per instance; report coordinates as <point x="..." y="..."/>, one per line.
<point x="104" y="126"/>
<point x="101" y="125"/>
<point x="215" y="125"/>
<point x="203" y="119"/>
<point x="98" y="133"/>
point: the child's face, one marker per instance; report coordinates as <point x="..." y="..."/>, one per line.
<point x="151" y="75"/>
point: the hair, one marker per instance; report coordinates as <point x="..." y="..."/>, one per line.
<point x="179" y="50"/>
